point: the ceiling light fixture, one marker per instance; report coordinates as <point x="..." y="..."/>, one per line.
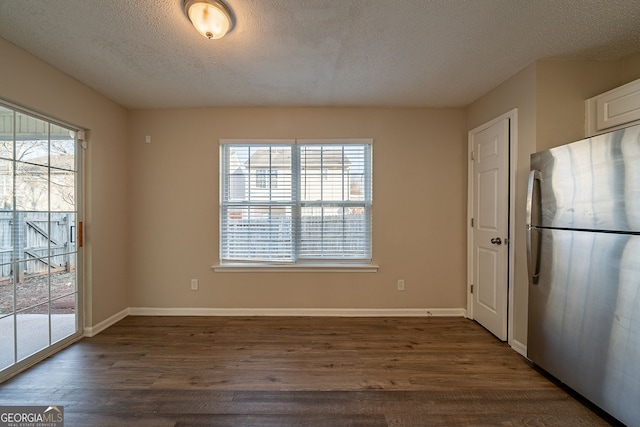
<point x="211" y="18"/>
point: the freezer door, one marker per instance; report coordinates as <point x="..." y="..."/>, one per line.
<point x="584" y="317"/>
<point x="593" y="184"/>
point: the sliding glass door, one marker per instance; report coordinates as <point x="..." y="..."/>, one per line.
<point x="39" y="200"/>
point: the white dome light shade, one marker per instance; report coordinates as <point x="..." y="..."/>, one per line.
<point x="211" y="18"/>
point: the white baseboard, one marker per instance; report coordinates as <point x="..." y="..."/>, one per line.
<point x="519" y="347"/>
<point x="95" y="330"/>
<point x="319" y="312"/>
<point x="326" y="312"/>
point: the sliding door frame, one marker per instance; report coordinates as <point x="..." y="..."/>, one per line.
<point x="52" y="347"/>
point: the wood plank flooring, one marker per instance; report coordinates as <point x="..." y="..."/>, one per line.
<point x="296" y="371"/>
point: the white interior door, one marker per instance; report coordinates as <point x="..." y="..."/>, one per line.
<point x="490" y="226"/>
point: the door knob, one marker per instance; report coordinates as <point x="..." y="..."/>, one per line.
<point x="496" y="241"/>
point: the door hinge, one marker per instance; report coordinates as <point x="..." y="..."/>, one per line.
<point x="473" y="155"/>
<point x="471" y="222"/>
<point x="471" y="288"/>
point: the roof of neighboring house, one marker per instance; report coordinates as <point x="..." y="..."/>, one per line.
<point x="311" y="158"/>
<point x="270" y="159"/>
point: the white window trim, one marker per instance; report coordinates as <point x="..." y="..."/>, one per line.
<point x="293" y="268"/>
<point x="274" y="267"/>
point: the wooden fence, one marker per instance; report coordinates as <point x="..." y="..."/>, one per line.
<point x="334" y="237"/>
<point x="35" y="243"/>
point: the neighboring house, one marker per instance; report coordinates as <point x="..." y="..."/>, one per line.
<point x="266" y="176"/>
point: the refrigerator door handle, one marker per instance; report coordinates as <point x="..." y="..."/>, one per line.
<point x="533" y="267"/>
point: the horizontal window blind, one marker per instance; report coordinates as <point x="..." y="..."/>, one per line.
<point x="296" y="202"/>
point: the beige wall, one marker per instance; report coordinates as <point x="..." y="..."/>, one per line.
<point x="630" y="69"/>
<point x="33" y="84"/>
<point x="419" y="209"/>
<point x="561" y="89"/>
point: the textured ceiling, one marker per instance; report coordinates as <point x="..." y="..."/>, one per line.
<point x="145" y="54"/>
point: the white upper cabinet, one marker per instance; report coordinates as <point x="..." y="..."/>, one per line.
<point x="617" y="108"/>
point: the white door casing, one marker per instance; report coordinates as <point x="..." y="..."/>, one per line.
<point x="489" y="223"/>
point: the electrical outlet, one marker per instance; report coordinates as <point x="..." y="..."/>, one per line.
<point x="401" y="285"/>
<point x="194" y="284"/>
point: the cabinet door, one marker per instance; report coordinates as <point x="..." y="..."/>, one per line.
<point x="614" y="109"/>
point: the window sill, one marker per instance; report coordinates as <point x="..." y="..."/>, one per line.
<point x="285" y="268"/>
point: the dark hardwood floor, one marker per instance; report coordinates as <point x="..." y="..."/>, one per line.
<point x="296" y="371"/>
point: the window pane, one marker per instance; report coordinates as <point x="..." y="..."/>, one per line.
<point x="62" y="190"/>
<point x="269" y="170"/>
<point x="32" y="330"/>
<point x="62" y="148"/>
<point x="6" y="243"/>
<point x="6" y="290"/>
<point x="6" y="185"/>
<point x="287" y="202"/>
<point x="34" y="288"/>
<point x="332" y="226"/>
<point x="32" y="140"/>
<point x="334" y="233"/>
<point x="63" y="279"/>
<point x="63" y="235"/>
<point x="33" y="243"/>
<point x="6" y="133"/>
<point x="32" y="187"/>
<point x="63" y="318"/>
<point x="257" y="233"/>
<point x="358" y="172"/>
<point x="7" y="341"/>
<point x="332" y="172"/>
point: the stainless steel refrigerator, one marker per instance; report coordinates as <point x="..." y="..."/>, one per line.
<point x="583" y="247"/>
